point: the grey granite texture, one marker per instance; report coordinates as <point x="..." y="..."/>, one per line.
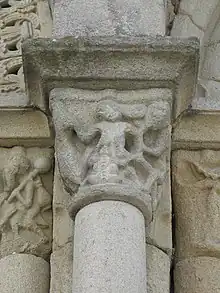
<point x="107" y="17"/>
<point x="109" y="249"/>
<point x="23" y="273"/>
<point x="111" y="62"/>
<point x="158" y="270"/>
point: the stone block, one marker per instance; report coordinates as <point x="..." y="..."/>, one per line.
<point x="200" y="11"/>
<point x="183" y="26"/>
<point x="197" y="275"/>
<point x="24" y="127"/>
<point x="196" y="185"/>
<point x="210" y="66"/>
<point x="22" y="273"/>
<point x="61" y="263"/>
<point x="137" y="62"/>
<point x="107" y="18"/>
<point x="206" y="126"/>
<point x="158" y="270"/>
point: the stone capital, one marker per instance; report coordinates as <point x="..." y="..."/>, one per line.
<point x="113" y="145"/>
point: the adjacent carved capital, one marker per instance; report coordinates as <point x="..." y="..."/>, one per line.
<point x="19" y="20"/>
<point x="25" y="201"/>
<point x="196" y="190"/>
<point x="111" y="148"/>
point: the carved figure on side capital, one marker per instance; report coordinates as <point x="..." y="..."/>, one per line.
<point x="122" y="150"/>
<point x="197" y="191"/>
<point x="25" y="205"/>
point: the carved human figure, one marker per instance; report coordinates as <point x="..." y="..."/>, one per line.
<point x="156" y="126"/>
<point x="24" y="196"/>
<point x="103" y="169"/>
<point x="207" y="173"/>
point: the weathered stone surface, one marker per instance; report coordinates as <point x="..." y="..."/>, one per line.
<point x="107" y="18"/>
<point x="24" y="127"/>
<point x="61" y="262"/>
<point x="183" y="26"/>
<point x="158" y="270"/>
<point x="200" y="11"/>
<point x="62" y="223"/>
<point x="25" y="201"/>
<point x="159" y="232"/>
<point x="196" y="181"/>
<point x="22" y="273"/>
<point x="138" y="62"/>
<point x="197" y="275"/>
<point x="197" y="130"/>
<point x="201" y="19"/>
<point x="119" y="147"/>
<point x="19" y="20"/>
<point x="109" y="249"/>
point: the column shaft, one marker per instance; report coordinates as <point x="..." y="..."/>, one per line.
<point x="109" y="249"/>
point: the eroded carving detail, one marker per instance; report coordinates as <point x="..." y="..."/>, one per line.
<point x="197" y="192"/>
<point x="125" y="145"/>
<point x="25" y="205"/>
<point x="18" y="21"/>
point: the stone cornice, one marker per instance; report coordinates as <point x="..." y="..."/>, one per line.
<point x="97" y="63"/>
<point x="197" y="129"/>
<point x="24" y="126"/>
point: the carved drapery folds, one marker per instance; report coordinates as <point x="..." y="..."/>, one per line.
<point x="25" y="201"/>
<point x="112" y="150"/>
<point x="19" y="20"/>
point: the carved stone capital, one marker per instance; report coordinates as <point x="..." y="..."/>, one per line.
<point x="113" y="145"/>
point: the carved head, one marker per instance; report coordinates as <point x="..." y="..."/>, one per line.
<point x="108" y="110"/>
<point x="158" y="115"/>
<point x="18" y="160"/>
<point x="43" y="165"/>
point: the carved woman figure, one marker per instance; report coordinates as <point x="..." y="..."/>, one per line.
<point x="111" y="148"/>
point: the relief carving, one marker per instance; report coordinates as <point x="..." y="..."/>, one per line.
<point x="197" y="191"/>
<point x="19" y="20"/>
<point x="25" y="204"/>
<point x="123" y="144"/>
